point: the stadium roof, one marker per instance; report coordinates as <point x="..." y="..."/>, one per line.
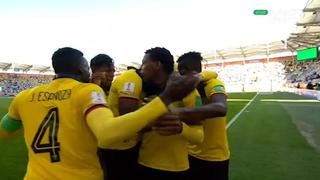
<point x="25" y="67"/>
<point x="307" y="34"/>
<point x="244" y="52"/>
<point x="47" y="69"/>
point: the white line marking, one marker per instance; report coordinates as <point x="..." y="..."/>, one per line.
<point x="239" y="113"/>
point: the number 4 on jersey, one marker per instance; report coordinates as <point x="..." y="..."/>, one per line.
<point x="51" y="123"/>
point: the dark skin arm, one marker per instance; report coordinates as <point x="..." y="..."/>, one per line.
<point x="217" y="107"/>
<point x="168" y="124"/>
<point x="127" y="105"/>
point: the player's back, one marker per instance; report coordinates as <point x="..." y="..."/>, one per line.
<point x="60" y="144"/>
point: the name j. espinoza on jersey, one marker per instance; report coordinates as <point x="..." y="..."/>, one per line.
<point x="51" y="96"/>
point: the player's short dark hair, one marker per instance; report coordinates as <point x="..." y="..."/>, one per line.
<point x="66" y="60"/>
<point x="101" y="60"/>
<point x="131" y="67"/>
<point x="192" y="58"/>
<point x="164" y="56"/>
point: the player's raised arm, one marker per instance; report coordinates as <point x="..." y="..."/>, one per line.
<point x="109" y="129"/>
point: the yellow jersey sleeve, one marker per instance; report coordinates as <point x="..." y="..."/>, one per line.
<point x="214" y="86"/>
<point x="206" y="75"/>
<point x="175" y="67"/>
<point x="13" y="111"/>
<point x="129" y="85"/>
<point x="123" y="127"/>
<point x="192" y="100"/>
<point x="90" y="95"/>
<point x="193" y="134"/>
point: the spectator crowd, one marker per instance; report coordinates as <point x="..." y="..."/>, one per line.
<point x="304" y="74"/>
<point x="12" y="84"/>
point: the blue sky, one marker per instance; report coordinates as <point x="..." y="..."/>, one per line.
<point x="32" y="30"/>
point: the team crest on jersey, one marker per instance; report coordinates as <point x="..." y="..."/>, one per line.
<point x="98" y="98"/>
<point x="219" y="89"/>
<point x="128" y="88"/>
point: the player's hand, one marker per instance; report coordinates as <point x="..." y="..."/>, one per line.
<point x="147" y="128"/>
<point x="146" y="100"/>
<point x="98" y="78"/>
<point x="168" y="124"/>
<point x="187" y="116"/>
<point x="178" y="87"/>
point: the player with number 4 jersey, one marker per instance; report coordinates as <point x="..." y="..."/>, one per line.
<point x="54" y="130"/>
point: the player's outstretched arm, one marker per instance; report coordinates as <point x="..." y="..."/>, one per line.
<point x="109" y="129"/>
<point x="8" y="127"/>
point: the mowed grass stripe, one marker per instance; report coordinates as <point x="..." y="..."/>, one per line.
<point x="235" y="107"/>
<point x="241" y="95"/>
<point x="241" y="111"/>
<point x="265" y="144"/>
<point x="13" y="159"/>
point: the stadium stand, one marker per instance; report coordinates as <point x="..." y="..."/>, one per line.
<point x="18" y="77"/>
<point x="12" y="84"/>
<point x="251" y="75"/>
<point x="260" y="75"/>
<point x="303" y="74"/>
<point x="265" y="74"/>
<point x="15" y="78"/>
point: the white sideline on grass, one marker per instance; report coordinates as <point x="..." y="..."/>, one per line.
<point x="239" y="113"/>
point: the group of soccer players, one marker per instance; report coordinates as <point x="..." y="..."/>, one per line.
<point x="148" y="123"/>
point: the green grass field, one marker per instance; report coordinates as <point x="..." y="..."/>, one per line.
<point x="277" y="137"/>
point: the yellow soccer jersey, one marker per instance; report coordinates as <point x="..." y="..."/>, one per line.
<point x="127" y="85"/>
<point x="167" y="153"/>
<point x="207" y="75"/>
<point x="215" y="143"/>
<point x="59" y="141"/>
